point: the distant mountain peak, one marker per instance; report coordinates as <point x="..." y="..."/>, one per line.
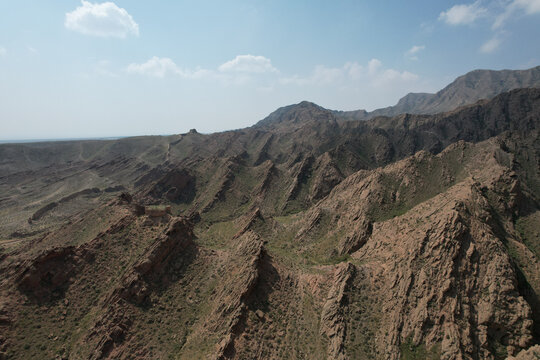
<point x="464" y="90"/>
<point x="303" y="112"/>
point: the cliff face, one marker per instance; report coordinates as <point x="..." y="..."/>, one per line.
<point x="303" y="237"/>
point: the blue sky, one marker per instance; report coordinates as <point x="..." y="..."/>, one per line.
<point x="88" y="69"/>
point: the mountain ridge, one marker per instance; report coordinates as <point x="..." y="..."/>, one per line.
<point x="464" y="90"/>
<point x="308" y="235"/>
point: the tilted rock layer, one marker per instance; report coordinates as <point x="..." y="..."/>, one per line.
<point x="304" y="237"/>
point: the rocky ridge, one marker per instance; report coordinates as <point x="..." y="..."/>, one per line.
<point x="304" y="237"/>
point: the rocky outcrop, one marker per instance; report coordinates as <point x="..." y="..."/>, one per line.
<point x="262" y="153"/>
<point x="249" y="221"/>
<point x="533" y="353"/>
<point x="239" y="275"/>
<point x="452" y="285"/>
<point x="310" y="223"/>
<point x="150" y="270"/>
<point x="228" y="313"/>
<point x="326" y="176"/>
<point x="332" y="315"/>
<point x="300" y="174"/>
<point x="268" y="173"/>
<point x="48" y="275"/>
<point x="221" y="183"/>
<point x="440" y="267"/>
<point x="357" y="238"/>
<point x="149" y="273"/>
<point x="109" y="332"/>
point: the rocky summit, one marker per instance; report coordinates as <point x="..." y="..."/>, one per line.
<point x="314" y="234"/>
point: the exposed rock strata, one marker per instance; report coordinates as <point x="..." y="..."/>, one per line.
<point x="149" y="273"/>
<point x="332" y="317"/>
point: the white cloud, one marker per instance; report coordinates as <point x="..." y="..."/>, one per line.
<point x="3" y="51"/>
<point x="104" y="20"/>
<point x="353" y="85"/>
<point x="248" y="64"/>
<point x="530" y="7"/>
<point x="373" y="74"/>
<point x="371" y="82"/>
<point x="374" y="65"/>
<point x="491" y="45"/>
<point x="156" y="67"/>
<point x="161" y="67"/>
<point x="241" y="70"/>
<point x="353" y="69"/>
<point x="32" y="49"/>
<point x="412" y="53"/>
<point x="392" y="75"/>
<point x="325" y="75"/>
<point x="463" y="14"/>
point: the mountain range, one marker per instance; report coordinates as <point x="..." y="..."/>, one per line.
<point x="411" y="232"/>
<point x="467" y="89"/>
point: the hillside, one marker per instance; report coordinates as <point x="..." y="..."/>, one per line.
<point x="308" y="235"/>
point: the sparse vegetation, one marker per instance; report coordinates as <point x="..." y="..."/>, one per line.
<point x="276" y="213"/>
<point x="409" y="351"/>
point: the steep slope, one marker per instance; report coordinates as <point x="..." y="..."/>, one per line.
<point x="432" y="275"/>
<point x="305" y="236"/>
<point x="442" y="269"/>
<point x="278" y="168"/>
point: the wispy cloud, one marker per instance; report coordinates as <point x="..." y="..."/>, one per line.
<point x="370" y="84"/>
<point x="3" y="51"/>
<point x="371" y="81"/>
<point x="155" y="67"/>
<point x="373" y="73"/>
<point x="491" y="45"/>
<point x="244" y="67"/>
<point x="412" y="53"/>
<point x="248" y="64"/>
<point x="499" y="13"/>
<point x="239" y="69"/>
<point x="528" y="7"/>
<point x="162" y="67"/>
<point x="463" y="14"/>
<point x="101" y="19"/>
<point x="32" y="49"/>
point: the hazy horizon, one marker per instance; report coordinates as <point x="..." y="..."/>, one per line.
<point x="79" y="69"/>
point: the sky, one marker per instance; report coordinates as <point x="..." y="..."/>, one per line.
<point x="81" y="69"/>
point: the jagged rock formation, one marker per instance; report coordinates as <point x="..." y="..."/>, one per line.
<point x="48" y="274"/>
<point x="436" y="264"/>
<point x="230" y="309"/>
<point x="332" y="317"/>
<point x="150" y="271"/>
<point x="309" y="235"/>
<point x="531" y="353"/>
